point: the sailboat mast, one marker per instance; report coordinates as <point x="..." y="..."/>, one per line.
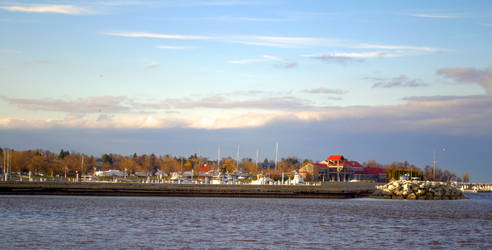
<point x="218" y="159"/>
<point x="257" y="153"/>
<point x="276" y="155"/>
<point x="237" y="157"/>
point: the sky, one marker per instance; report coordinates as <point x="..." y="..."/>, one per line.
<point x="372" y="80"/>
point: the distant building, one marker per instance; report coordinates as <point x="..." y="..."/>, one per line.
<point x="338" y="168"/>
<point x="113" y="172"/>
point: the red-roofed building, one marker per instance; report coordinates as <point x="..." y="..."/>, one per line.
<point x="339" y="168"/>
<point x="204" y="169"/>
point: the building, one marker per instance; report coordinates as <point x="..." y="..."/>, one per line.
<point x="113" y="172"/>
<point x="339" y="168"/>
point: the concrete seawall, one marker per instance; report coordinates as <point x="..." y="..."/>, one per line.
<point x="326" y="190"/>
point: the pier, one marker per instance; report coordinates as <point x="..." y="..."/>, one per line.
<point x="326" y="190"/>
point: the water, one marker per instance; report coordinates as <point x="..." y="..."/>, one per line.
<point x="65" y="222"/>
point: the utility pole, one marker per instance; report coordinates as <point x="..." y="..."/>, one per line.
<point x="434" y="170"/>
<point x="4" y="165"/>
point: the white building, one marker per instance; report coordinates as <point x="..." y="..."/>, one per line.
<point x="112" y="172"/>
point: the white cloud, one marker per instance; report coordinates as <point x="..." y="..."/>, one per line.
<point x="97" y="104"/>
<point x="49" y="8"/>
<point x="469" y="75"/>
<point x="278" y="41"/>
<point x="264" y="58"/>
<point x="247" y="19"/>
<point x="397" y="82"/>
<point x="396" y="47"/>
<point x="158" y="36"/>
<point x="219" y="3"/>
<point x="342" y="57"/>
<point x="443" y="114"/>
<point x="152" y="65"/>
<point x="427" y="15"/>
<point x="325" y="91"/>
<point x="173" y="47"/>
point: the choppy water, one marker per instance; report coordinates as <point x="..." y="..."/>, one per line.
<point x="64" y="222"/>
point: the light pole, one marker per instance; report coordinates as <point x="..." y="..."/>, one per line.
<point x="434" y="171"/>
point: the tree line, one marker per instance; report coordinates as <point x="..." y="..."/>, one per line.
<point x="395" y="169"/>
<point x="68" y="163"/>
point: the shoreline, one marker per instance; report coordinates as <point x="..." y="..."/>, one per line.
<point x="337" y="190"/>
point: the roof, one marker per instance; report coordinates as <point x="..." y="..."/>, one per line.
<point x="320" y="165"/>
<point x="353" y="164"/>
<point x="204" y="169"/>
<point x="336" y="158"/>
<point x="371" y="171"/>
<point x="374" y="171"/>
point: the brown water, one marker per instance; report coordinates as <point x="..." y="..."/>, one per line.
<point x="61" y="222"/>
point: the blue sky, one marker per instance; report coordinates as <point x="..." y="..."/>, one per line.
<point x="256" y="71"/>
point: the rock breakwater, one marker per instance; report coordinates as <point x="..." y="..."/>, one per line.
<point x="418" y="190"/>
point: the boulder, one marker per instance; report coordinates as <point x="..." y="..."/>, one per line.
<point x="418" y="190"/>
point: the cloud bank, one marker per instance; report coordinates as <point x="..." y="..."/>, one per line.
<point x="440" y="114"/>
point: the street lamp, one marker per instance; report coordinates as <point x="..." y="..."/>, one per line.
<point x="434" y="172"/>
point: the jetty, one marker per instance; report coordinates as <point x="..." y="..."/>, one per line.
<point x="325" y="190"/>
<point x="418" y="190"/>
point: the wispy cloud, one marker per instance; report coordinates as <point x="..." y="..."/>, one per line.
<point x="279" y="62"/>
<point x="286" y="65"/>
<point x="341" y="57"/>
<point x="395" y="47"/>
<point x="10" y="51"/>
<point x="486" y="24"/>
<point x="152" y="65"/>
<point x="173" y="47"/>
<point x="158" y="36"/>
<point x="49" y="8"/>
<point x="265" y="58"/>
<point x="267" y="41"/>
<point x="483" y="77"/>
<point x="218" y="3"/>
<point x="220" y="102"/>
<point x="247" y="19"/>
<point x="401" y="81"/>
<point x="100" y="104"/>
<point x="325" y="91"/>
<point x="429" y="15"/>
<point x="283" y="42"/>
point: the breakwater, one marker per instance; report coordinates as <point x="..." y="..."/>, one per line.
<point x="325" y="190"/>
<point x="418" y="190"/>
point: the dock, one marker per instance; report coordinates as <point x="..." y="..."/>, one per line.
<point x="329" y="190"/>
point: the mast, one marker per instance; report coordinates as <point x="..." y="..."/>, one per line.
<point x="257" y="153"/>
<point x="434" y="172"/>
<point x="218" y="159"/>
<point x="5" y="164"/>
<point x="237" y="158"/>
<point x="276" y="155"/>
